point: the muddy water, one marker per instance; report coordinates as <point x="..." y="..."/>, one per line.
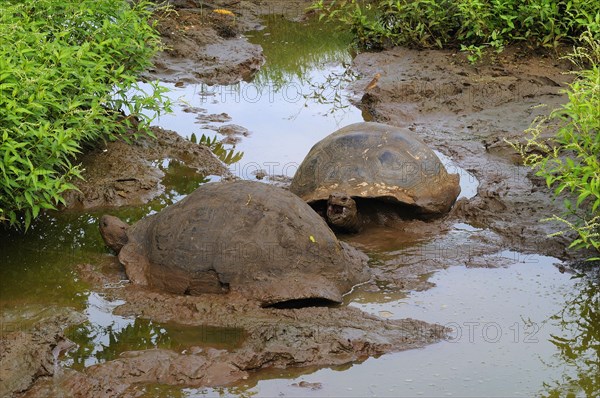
<point x="507" y="322"/>
<point x="105" y="336"/>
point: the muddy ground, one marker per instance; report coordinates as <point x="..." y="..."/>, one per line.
<point x="120" y="174"/>
<point x="464" y="111"/>
<point x="274" y="338"/>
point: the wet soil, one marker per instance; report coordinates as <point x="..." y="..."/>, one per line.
<point x="197" y="52"/>
<point x="467" y="112"/>
<point x="201" y="46"/>
<point x="275" y="338"/>
<point x="30" y="353"/>
<point x="118" y="173"/>
<point x="204" y="46"/>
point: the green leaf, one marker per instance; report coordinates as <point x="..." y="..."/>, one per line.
<point x="582" y="197"/>
<point x="55" y="94"/>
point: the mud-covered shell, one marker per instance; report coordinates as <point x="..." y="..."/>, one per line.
<point x="374" y="160"/>
<point x="246" y="236"/>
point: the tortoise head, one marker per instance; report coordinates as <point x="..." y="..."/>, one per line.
<point x="342" y="213"/>
<point x="114" y="232"/>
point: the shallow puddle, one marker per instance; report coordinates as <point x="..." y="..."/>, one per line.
<point x="294" y="101"/>
<point x="503" y="319"/>
<point x="105" y="336"/>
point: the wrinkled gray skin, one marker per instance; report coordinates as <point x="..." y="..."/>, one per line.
<point x="342" y="213"/>
<point x="114" y="232"/>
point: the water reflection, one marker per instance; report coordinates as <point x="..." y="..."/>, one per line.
<point x="97" y="342"/>
<point x="295" y="100"/>
<point x="39" y="267"/>
<point x="293" y="50"/>
<point x="179" y="180"/>
<point x="504" y="333"/>
<point x="578" y="342"/>
<point x="292" y="103"/>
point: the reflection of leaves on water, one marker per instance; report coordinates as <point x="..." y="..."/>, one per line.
<point x="97" y="344"/>
<point x="39" y="266"/>
<point x="180" y="180"/>
<point x="139" y="335"/>
<point x="579" y="346"/>
<point x="332" y="91"/>
<point x="293" y="49"/>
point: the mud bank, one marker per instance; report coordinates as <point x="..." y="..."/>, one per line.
<point x="30" y="353"/>
<point x="274" y="338"/>
<point x="466" y="112"/>
<point x="119" y="173"/>
<point x="461" y="110"/>
<point x="203" y="46"/>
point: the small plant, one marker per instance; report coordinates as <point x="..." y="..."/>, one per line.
<point x="67" y="70"/>
<point x="474" y="53"/>
<point x="227" y="156"/>
<point x="570" y="160"/>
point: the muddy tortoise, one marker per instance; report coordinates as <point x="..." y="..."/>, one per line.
<point x="256" y="239"/>
<point x="367" y="164"/>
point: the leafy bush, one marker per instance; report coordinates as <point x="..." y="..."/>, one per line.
<point x="471" y="24"/>
<point x="570" y="160"/>
<point x="67" y="70"/>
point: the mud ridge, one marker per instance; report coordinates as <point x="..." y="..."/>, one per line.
<point x="120" y="173"/>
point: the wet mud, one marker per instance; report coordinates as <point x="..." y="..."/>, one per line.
<point x="275" y="338"/>
<point x="30" y="353"/>
<point x="119" y="174"/>
<point x="457" y="108"/>
<point x="204" y="46"/>
<point x="197" y="50"/>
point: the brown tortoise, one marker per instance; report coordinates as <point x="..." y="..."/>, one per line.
<point x="373" y="163"/>
<point x="257" y="239"/>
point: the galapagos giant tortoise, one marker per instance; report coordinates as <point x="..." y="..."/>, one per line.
<point x="259" y="240"/>
<point x="382" y="163"/>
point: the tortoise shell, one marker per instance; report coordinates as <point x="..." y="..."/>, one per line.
<point x="257" y="239"/>
<point x="378" y="161"/>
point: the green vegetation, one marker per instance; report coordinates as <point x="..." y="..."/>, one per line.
<point x="570" y="160"/>
<point x="228" y="156"/>
<point x="472" y="25"/>
<point x="68" y="73"/>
